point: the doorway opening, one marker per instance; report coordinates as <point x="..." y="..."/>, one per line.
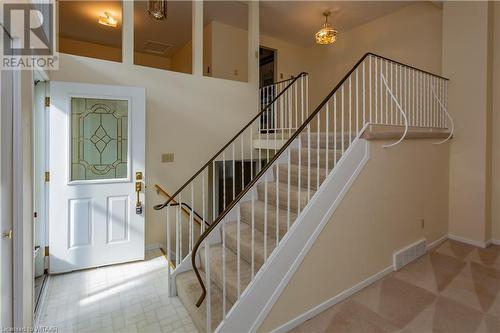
<point x="267" y="66"/>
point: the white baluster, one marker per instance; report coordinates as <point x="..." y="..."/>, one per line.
<point x="265" y="217"/>
<point x="289" y="151"/>
<point x="253" y="234"/>
<point x="203" y="213"/>
<point x="234" y="170"/>
<point x="317" y="150"/>
<point x="191" y="220"/>
<point x="376" y="91"/>
<point x="238" y="250"/>
<point x="357" y="103"/>
<point x="208" y="300"/>
<point x="309" y="162"/>
<point x="342" y="119"/>
<point x="327" y="136"/>
<point x="335" y="129"/>
<point x="369" y="87"/>
<point x="364" y="97"/>
<point x="350" y="110"/>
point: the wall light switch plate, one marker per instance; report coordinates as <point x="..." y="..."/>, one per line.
<point x="167" y="158"/>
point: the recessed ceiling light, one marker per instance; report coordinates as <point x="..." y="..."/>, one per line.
<point x="108" y="20"/>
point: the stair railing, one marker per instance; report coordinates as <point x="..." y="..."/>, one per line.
<point x="361" y="99"/>
<point x="275" y="118"/>
<point x="219" y="181"/>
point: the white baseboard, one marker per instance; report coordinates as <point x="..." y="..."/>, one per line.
<point x="153" y="246"/>
<point x="469" y="241"/>
<point x="437" y="242"/>
<point x="332" y="301"/>
<point x="495" y="241"/>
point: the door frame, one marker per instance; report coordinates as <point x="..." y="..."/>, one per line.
<point x="22" y="197"/>
<point x="6" y="145"/>
<point x="21" y="170"/>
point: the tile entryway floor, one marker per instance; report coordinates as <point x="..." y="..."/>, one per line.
<point x="454" y="288"/>
<point x="129" y="297"/>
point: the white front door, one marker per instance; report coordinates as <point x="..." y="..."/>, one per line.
<point x="97" y="150"/>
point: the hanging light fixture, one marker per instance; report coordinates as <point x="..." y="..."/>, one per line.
<point x="158" y="9"/>
<point x="326" y="35"/>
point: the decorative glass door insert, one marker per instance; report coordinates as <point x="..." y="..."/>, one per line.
<point x="99" y="139"/>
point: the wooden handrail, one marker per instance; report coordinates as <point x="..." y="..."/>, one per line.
<point x="162" y="192"/>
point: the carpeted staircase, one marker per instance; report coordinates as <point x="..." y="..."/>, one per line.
<point x="279" y="219"/>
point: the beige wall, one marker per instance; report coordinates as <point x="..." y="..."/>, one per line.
<point x="466" y="62"/>
<point x="229" y="52"/>
<point x="411" y="35"/>
<point x="182" y="60"/>
<point x="399" y="187"/>
<point x="291" y="59"/>
<point x="91" y="50"/>
<point x="495" y="202"/>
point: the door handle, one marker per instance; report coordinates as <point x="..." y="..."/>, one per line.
<point x="138" y="188"/>
<point x="7" y="234"/>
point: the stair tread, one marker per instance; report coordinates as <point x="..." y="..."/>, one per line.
<point x="189" y="290"/>
<point x="231" y="277"/>
<point x="305" y="174"/>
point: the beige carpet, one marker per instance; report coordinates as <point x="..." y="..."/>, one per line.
<point x="454" y="288"/>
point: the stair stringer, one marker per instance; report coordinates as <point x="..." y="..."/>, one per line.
<point x="257" y="300"/>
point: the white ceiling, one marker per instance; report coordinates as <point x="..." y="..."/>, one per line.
<point x="292" y="21"/>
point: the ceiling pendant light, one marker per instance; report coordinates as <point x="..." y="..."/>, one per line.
<point x="158" y="9"/>
<point x="326" y="35"/>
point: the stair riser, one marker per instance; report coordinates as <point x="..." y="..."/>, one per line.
<point x="282" y="197"/>
<point x="246" y="217"/>
<point x="231" y="242"/>
<point x="322" y="141"/>
<point x="304" y="158"/>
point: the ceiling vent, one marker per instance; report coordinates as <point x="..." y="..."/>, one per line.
<point x="156" y="47"/>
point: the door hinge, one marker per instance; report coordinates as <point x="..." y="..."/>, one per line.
<point x="46" y="251"/>
<point x="47" y="176"/>
<point x="47" y="101"/>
